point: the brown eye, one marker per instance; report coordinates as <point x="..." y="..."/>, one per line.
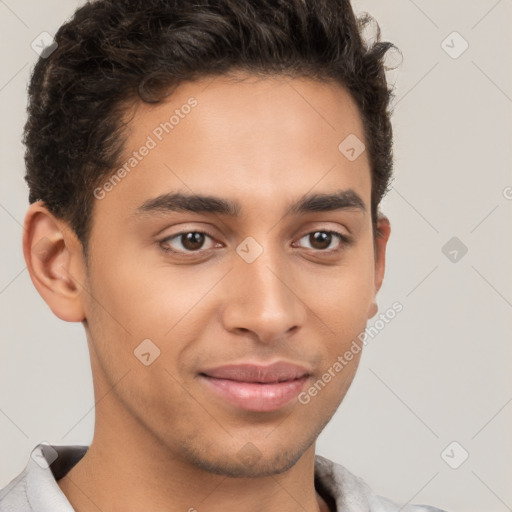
<point x="320" y="240"/>
<point x="187" y="241"/>
<point x="193" y="240"/>
<point x="324" y="240"/>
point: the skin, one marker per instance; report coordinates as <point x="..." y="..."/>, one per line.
<point x="263" y="142"/>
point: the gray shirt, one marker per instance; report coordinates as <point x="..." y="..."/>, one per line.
<point x="35" y="489"/>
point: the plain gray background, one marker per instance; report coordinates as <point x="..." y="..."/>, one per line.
<point x="440" y="371"/>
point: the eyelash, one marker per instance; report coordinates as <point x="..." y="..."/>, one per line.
<point x="346" y="242"/>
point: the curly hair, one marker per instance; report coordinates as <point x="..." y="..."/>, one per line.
<point x="113" y="52"/>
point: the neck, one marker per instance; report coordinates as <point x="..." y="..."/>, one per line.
<point x="127" y="469"/>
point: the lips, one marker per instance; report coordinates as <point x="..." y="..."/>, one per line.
<point x="277" y="372"/>
<point x="255" y="387"/>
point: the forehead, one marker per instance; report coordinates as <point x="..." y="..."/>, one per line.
<point x="254" y="138"/>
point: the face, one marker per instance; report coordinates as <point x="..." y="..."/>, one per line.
<point x="196" y="309"/>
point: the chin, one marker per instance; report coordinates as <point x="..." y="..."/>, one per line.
<point x="237" y="467"/>
<point x="247" y="462"/>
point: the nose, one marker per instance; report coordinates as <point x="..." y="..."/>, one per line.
<point x="263" y="298"/>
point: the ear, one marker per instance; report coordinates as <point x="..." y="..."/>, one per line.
<point x="55" y="262"/>
<point x="382" y="237"/>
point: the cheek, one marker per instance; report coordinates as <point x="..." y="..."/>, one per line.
<point x="137" y="296"/>
<point x="168" y="306"/>
<point x="344" y="297"/>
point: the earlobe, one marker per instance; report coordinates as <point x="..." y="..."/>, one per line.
<point x="373" y="309"/>
<point x="54" y="261"/>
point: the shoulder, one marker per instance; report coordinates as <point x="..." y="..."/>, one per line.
<point x="36" y="488"/>
<point x="13" y="497"/>
<point x="352" y="493"/>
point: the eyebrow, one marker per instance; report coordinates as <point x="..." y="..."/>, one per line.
<point x="198" y="203"/>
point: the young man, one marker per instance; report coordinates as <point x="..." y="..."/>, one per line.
<point x="204" y="186"/>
